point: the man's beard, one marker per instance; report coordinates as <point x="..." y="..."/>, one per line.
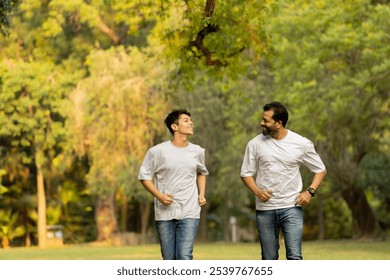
<point x="267" y="131"/>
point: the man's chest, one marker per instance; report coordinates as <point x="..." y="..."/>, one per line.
<point x="279" y="154"/>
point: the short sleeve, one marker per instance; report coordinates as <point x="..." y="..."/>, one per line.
<point x="249" y="164"/>
<point x="201" y="166"/>
<point x="312" y="160"/>
<point x="148" y="167"/>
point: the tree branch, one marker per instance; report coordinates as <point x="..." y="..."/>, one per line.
<point x="209" y="9"/>
<point x="108" y="31"/>
<point x="198" y="43"/>
<point x="209" y="28"/>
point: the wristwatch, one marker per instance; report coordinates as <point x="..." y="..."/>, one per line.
<point x="312" y="191"/>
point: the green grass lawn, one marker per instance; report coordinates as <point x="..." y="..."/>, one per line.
<point x="313" y="250"/>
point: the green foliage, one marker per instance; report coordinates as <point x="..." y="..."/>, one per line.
<point x="30" y="104"/>
<point x="332" y="64"/>
<point x="3" y="189"/>
<point x="32" y="124"/>
<point x="233" y="34"/>
<point x="89" y="83"/>
<point x="330" y="69"/>
<point x="374" y="176"/>
<point x="120" y="99"/>
<point x="9" y="228"/>
<point x="327" y="217"/>
<point x="375" y="169"/>
<point x="6" y="9"/>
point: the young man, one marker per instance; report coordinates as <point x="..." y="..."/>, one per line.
<point x="275" y="157"/>
<point x="179" y="170"/>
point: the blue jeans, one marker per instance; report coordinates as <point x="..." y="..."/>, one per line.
<point x="290" y="221"/>
<point x="177" y="238"/>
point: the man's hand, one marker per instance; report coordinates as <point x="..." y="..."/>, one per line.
<point x="202" y="201"/>
<point x="166" y="199"/>
<point x="303" y="198"/>
<point x="264" y="195"/>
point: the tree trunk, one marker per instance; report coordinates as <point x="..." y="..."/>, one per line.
<point x="5" y="242"/>
<point x="27" y="240"/>
<point x="123" y="221"/>
<point x="345" y="171"/>
<point x="203" y="225"/>
<point x="106" y="222"/>
<point x="365" y="222"/>
<point x="41" y="201"/>
<point x="321" y="220"/>
<point x="147" y="208"/>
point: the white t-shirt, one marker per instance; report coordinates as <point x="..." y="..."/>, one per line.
<point x="276" y="165"/>
<point x="175" y="170"/>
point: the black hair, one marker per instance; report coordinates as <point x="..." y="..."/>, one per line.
<point x="280" y="112"/>
<point x="173" y="118"/>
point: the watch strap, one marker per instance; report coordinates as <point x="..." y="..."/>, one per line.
<point x="312" y="191"/>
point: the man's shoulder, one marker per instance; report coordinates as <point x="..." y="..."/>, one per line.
<point x="258" y="139"/>
<point x="161" y="146"/>
<point x="195" y="147"/>
<point x="296" y="137"/>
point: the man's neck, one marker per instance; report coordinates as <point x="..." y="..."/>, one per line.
<point x="280" y="134"/>
<point x="180" y="140"/>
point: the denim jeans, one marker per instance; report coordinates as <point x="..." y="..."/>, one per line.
<point x="290" y="221"/>
<point x="177" y="238"/>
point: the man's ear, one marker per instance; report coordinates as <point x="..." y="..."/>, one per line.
<point x="174" y="126"/>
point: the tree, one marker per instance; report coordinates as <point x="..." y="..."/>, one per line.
<point x="375" y="168"/>
<point x="117" y="111"/>
<point x="176" y="25"/>
<point x="110" y="57"/>
<point x="213" y="38"/>
<point x="331" y="66"/>
<point x="31" y="95"/>
<point x="65" y="32"/>
<point x="6" y="9"/>
<point x="9" y="228"/>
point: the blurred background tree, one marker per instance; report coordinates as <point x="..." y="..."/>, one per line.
<point x="7" y="7"/>
<point x="85" y="86"/>
<point x="332" y="63"/>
